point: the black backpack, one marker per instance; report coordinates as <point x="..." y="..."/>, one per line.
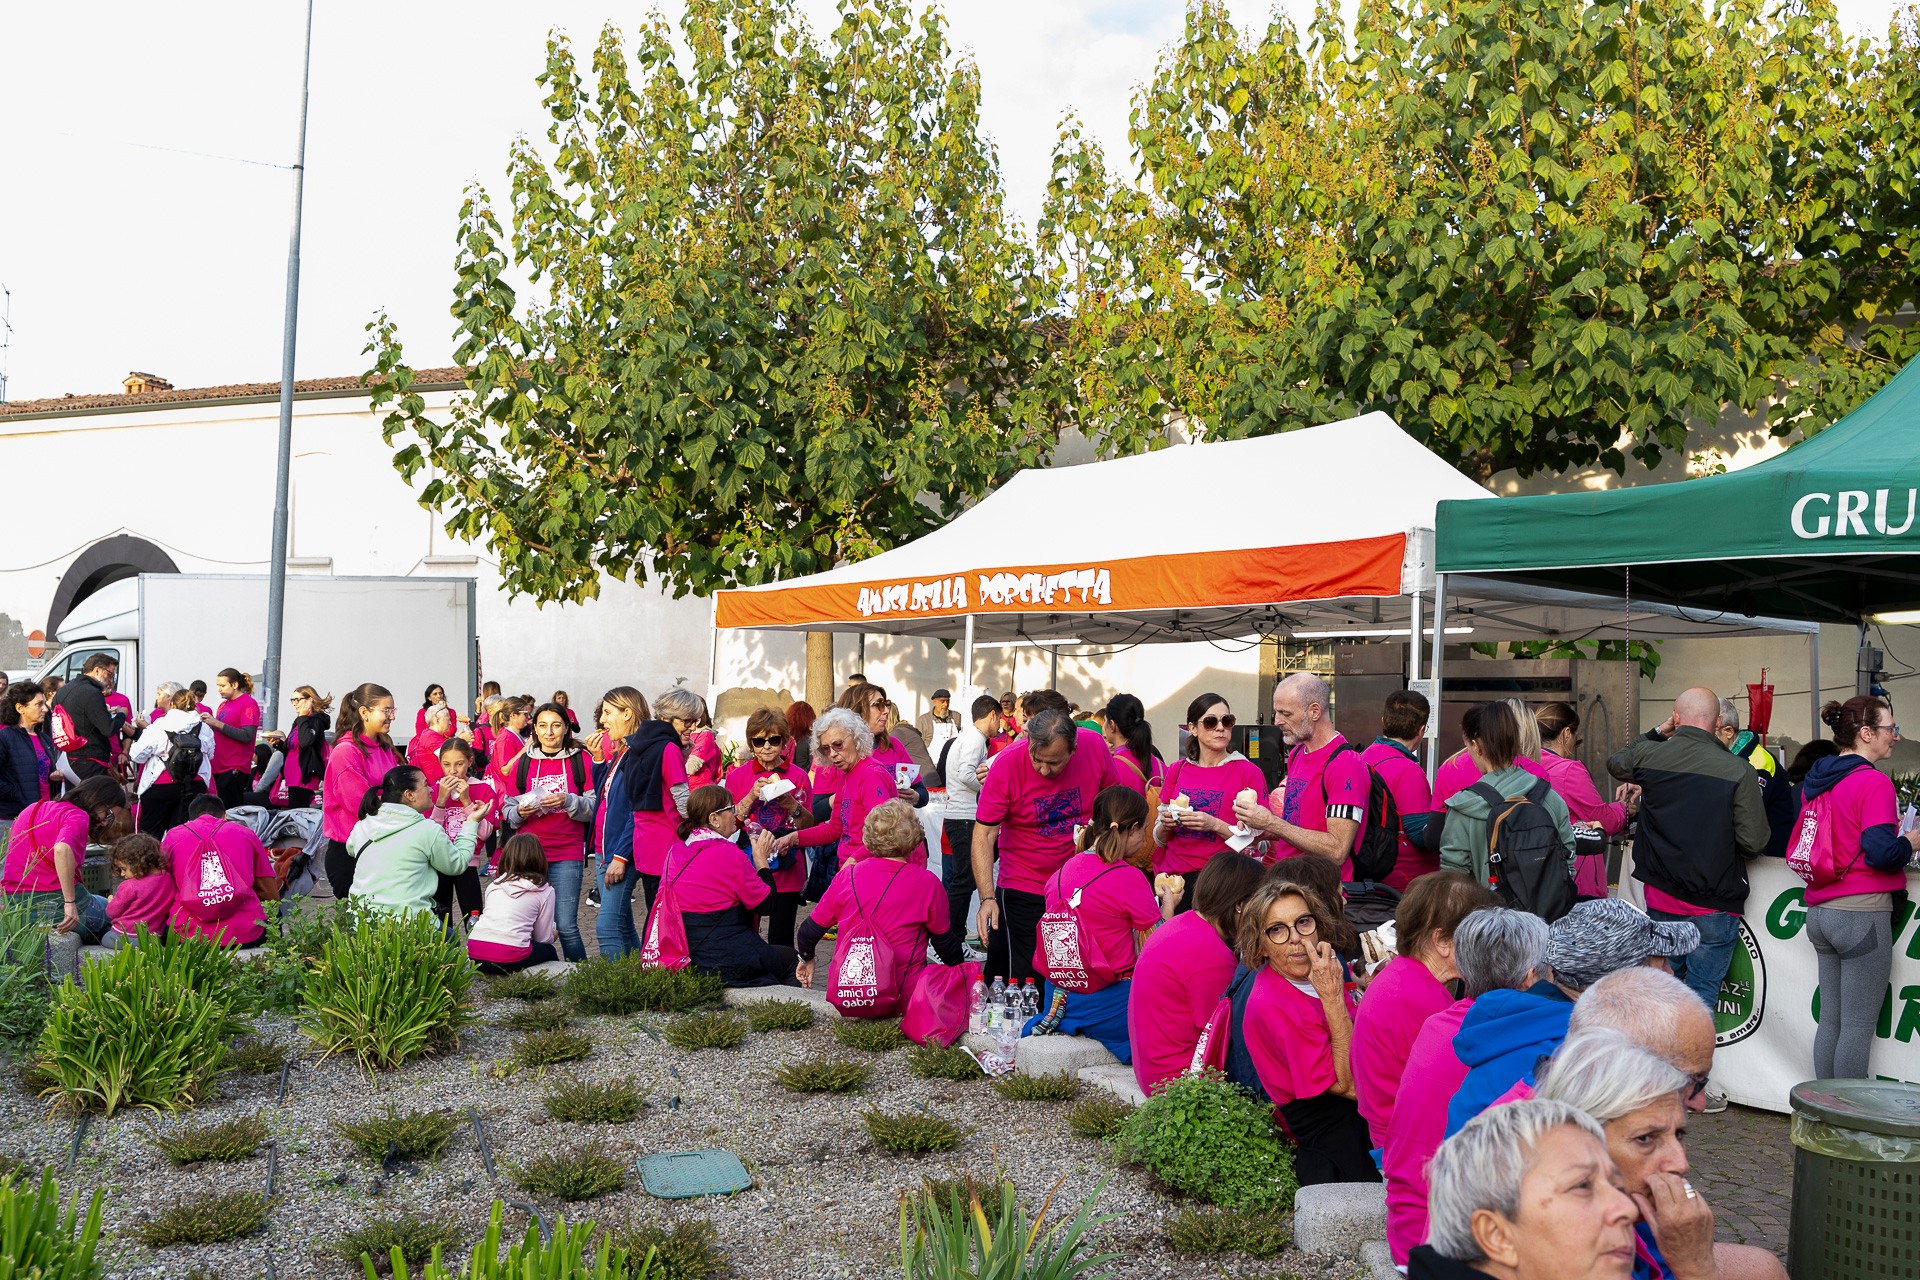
<point x="182" y="761"/>
<point x="1378" y="852"/>
<point x="576" y="772"/>
<point x="1526" y="863"/>
<point x="939" y="778"/>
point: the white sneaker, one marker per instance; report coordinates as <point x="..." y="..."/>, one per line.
<point x="1716" y="1100"/>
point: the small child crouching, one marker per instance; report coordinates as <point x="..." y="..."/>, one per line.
<point x="144" y="898"/>
<point x="515" y="929"/>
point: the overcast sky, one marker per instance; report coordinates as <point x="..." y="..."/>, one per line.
<point x="121" y="256"/>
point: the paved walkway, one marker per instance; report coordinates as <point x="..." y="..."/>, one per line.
<point x="1743" y="1164"/>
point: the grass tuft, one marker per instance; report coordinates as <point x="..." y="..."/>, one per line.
<point x="548" y="1016"/>
<point x="251" y="1056"/>
<point x="410" y="1135"/>
<point x="544" y="1048"/>
<point x="681" y="1250"/>
<point x="780" y="1015"/>
<point x="1060" y="1086"/>
<point x="823" y="1075"/>
<point x="524" y="985"/>
<point x="226" y="1140"/>
<point x="1258" y="1233"/>
<point x="596" y="1101"/>
<point x="932" y="1062"/>
<point x="868" y="1035"/>
<point x="1099" y="1117"/>
<point x="415" y="1238"/>
<point x="571" y="1175"/>
<point x="205" y="1220"/>
<point x="718" y="1030"/>
<point x="625" y="985"/>
<point x="912" y="1132"/>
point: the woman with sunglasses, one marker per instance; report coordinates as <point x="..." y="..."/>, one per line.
<point x="747" y="783"/>
<point x="1559" y="740"/>
<point x="1196" y="799"/>
<point x="843" y="740"/>
<point x="1298" y="1029"/>
<point x="870" y="703"/>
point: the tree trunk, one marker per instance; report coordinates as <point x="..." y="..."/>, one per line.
<point x="820" y="669"/>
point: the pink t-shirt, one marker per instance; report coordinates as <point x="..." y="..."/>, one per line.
<point x="146" y="901"/>
<point x="354" y="766"/>
<point x="40" y="826"/>
<point x="657" y="830"/>
<point x="1116" y="899"/>
<point x="215" y="864"/>
<point x="564" y="838"/>
<point x="423" y="753"/>
<point x="1182" y="972"/>
<point x="117" y="701"/>
<point x="1406" y="779"/>
<point x="1458" y="772"/>
<point x="792" y="874"/>
<point x="503" y="753"/>
<point x="1584" y="804"/>
<point x="1397" y="1004"/>
<point x="905" y="906"/>
<point x="230" y="756"/>
<point x="1037" y="815"/>
<point x="1208" y="789"/>
<point x="826" y="779"/>
<point x="1287" y="1037"/>
<point x="1322" y="784"/>
<point x="1129" y="772"/>
<point x="708" y="872"/>
<point x="453" y="819"/>
<point x="1432" y="1076"/>
<point x="864" y="788"/>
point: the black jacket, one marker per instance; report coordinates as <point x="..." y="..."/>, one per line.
<point x="1702" y="815"/>
<point x="307" y="742"/>
<point x="1424" y="1264"/>
<point x="85" y="699"/>
<point x="19" y="771"/>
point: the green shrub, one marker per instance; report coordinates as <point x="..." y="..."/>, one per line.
<point x="523" y="985"/>
<point x="205" y="1220"/>
<point x="1258" y="1233"/>
<point x="868" y="1034"/>
<point x="780" y="1015"/>
<point x="934" y="1062"/>
<point x="1205" y="1138"/>
<point x="719" y="1030"/>
<point x="544" y="1048"/>
<point x="226" y="1140"/>
<point x="596" y="1101"/>
<point x="823" y="1075"/>
<point x="410" y="1135"/>
<point x="416" y="1239"/>
<point x="625" y="985"/>
<point x="954" y="1232"/>
<point x="43" y="1239"/>
<point x="680" y="1250"/>
<point x="251" y="1056"/>
<point x="1019" y="1087"/>
<point x="1099" y="1117"/>
<point x="275" y="980"/>
<point x="551" y="1015"/>
<point x="146" y="1026"/>
<point x="390" y="990"/>
<point x="564" y="1257"/>
<point x="912" y="1132"/>
<point x="24" y="998"/>
<point x="580" y="1174"/>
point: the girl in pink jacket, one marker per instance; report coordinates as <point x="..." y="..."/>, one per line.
<point x="361" y="755"/>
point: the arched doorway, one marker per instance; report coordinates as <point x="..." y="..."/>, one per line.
<point x="109" y="560"/>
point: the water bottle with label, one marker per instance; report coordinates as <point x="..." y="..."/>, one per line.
<point x="977" y="1008"/>
<point x="1029" y="1000"/>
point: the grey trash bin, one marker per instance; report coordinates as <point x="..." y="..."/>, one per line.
<point x="1856" y="1180"/>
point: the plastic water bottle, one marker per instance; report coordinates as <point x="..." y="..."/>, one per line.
<point x="977" y="1014"/>
<point x="1007" y="1037"/>
<point x="999" y="991"/>
<point x="1029" y="1000"/>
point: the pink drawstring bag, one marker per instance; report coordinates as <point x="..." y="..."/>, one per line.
<point x="938" y="1009"/>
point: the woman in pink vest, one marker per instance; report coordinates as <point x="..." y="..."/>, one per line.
<point x="362" y="753"/>
<point x="888" y="902"/>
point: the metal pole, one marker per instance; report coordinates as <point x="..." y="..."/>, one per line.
<point x="1413" y="641"/>
<point x="1438" y="668"/>
<point x="1053" y="668"/>
<point x="1813" y="680"/>
<point x="966" y="658"/>
<point x="277" y="570"/>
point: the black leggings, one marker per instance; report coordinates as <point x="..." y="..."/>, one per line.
<point x="1020" y="914"/>
<point x="542" y="952"/>
<point x="339" y="869"/>
<point x="232" y="786"/>
<point x="780" y="909"/>
<point x="466" y="883"/>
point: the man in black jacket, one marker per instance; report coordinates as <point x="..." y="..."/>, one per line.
<point x="1702" y="814"/>
<point x="85" y="701"/>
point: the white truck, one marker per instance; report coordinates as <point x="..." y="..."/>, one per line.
<point x="401" y="633"/>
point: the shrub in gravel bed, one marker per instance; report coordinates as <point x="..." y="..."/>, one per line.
<point x="410" y="1135"/>
<point x="544" y="1048"/>
<point x="1210" y="1140"/>
<point x="1258" y="1233"/>
<point x="390" y="990"/>
<point x="625" y="985"/>
<point x="567" y="1256"/>
<point x="275" y="980"/>
<point x="912" y="1132"/>
<point x="24" y="998"/>
<point x="932" y="1062"/>
<point x="45" y="1238"/>
<point x="958" y="1231"/>
<point x="524" y="985"/>
<point x="596" y="1101"/>
<point x="780" y="1015"/>
<point x="1098" y="1117"/>
<point x="252" y="1056"/>
<point x="823" y="1075"/>
<point x="719" y="1030"/>
<point x="373" y="1243"/>
<point x="680" y="1250"/>
<point x="867" y="1034"/>
<point x="205" y="1220"/>
<point x="579" y="1174"/>
<point x="549" y="1016"/>
<point x="1019" y="1087"/>
<point x="227" y="1140"/>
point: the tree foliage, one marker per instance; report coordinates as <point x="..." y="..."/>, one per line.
<point x="781" y="318"/>
<point x="1539" y="234"/>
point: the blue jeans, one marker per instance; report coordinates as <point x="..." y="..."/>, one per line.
<point x="615" y="928"/>
<point x="565" y="879"/>
<point x="48" y="907"/>
<point x="1706" y="967"/>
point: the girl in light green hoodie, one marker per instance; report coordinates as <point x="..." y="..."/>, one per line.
<point x="400" y="853"/>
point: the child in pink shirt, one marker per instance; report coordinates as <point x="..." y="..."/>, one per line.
<point x="144" y="897"/>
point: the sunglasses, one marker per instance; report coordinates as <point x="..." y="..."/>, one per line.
<point x="1219" y="722"/>
<point x="1280" y="932"/>
<point x="774" y="741"/>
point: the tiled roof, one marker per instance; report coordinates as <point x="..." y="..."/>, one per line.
<point x="424" y="379"/>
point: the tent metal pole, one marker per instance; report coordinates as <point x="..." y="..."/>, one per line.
<point x="966" y="657"/>
<point x="1053" y="668"/>
<point x="1413" y="641"/>
<point x="1813" y="683"/>
<point x="1439" y="643"/>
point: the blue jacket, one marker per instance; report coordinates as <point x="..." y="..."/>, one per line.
<point x="1500" y="1040"/>
<point x="19" y="771"/>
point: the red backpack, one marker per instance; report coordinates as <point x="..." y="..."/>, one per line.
<point x="1811" y="854"/>
<point x="863" y="978"/>
<point x="65" y="736"/>
<point x="1064" y="948"/>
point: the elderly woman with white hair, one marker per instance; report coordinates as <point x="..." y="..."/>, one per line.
<point x="843" y="740"/>
<point x="1639" y="1100"/>
<point x="1527" y="1191"/>
<point x="423" y="753"/>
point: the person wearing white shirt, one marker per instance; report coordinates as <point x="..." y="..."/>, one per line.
<point x="175" y="735"/>
<point x="966" y="768"/>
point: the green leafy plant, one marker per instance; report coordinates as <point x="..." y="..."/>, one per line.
<point x="389" y="990"/>
<point x="533" y="1257"/>
<point x="1017" y="1086"/>
<point x="1258" y="1233"/>
<point x="912" y="1132"/>
<point x="411" y="1135"/>
<point x="523" y="985"/>
<point x="415" y="1239"/>
<point x="780" y="1015"/>
<point x="549" y="1015"/>
<point x="868" y="1035"/>
<point x="823" y="1075"/>
<point x="204" y="1219"/>
<point x="24" y="998"/>
<point x="680" y="1250"/>
<point x="719" y="1030"/>
<point x="275" y="979"/>
<point x="596" y="1101"/>
<point x="935" y="1062"/>
<point x="223" y="1141"/>
<point x="1208" y="1139"/>
<point x="43" y="1239"/>
<point x="252" y="1056"/>
<point x="954" y="1231"/>
<point x="625" y="985"/>
<point x="579" y="1174"/>
<point x="544" y="1048"/>
<point x="1098" y="1117"/>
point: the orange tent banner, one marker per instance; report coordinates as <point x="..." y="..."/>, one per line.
<point x="1201" y="579"/>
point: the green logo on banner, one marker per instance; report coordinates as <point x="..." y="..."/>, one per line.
<point x="1743" y="992"/>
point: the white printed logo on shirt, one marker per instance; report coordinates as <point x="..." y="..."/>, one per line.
<point x="215" y="888"/>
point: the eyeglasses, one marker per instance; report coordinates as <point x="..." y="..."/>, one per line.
<point x="775" y="741"/>
<point x="1699" y="1086"/>
<point x="1893" y="729"/>
<point x="835" y="746"/>
<point x="1304" y="927"/>
<point x="1219" y="722"/>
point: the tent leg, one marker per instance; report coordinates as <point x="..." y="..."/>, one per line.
<point x="1053" y="669"/>
<point x="1813" y="683"/>
<point x="1413" y="641"/>
<point x="1439" y="647"/>
<point x="713" y="655"/>
<point x="966" y="657"/>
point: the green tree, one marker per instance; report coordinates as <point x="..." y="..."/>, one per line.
<point x="1539" y="234"/>
<point x="782" y="319"/>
